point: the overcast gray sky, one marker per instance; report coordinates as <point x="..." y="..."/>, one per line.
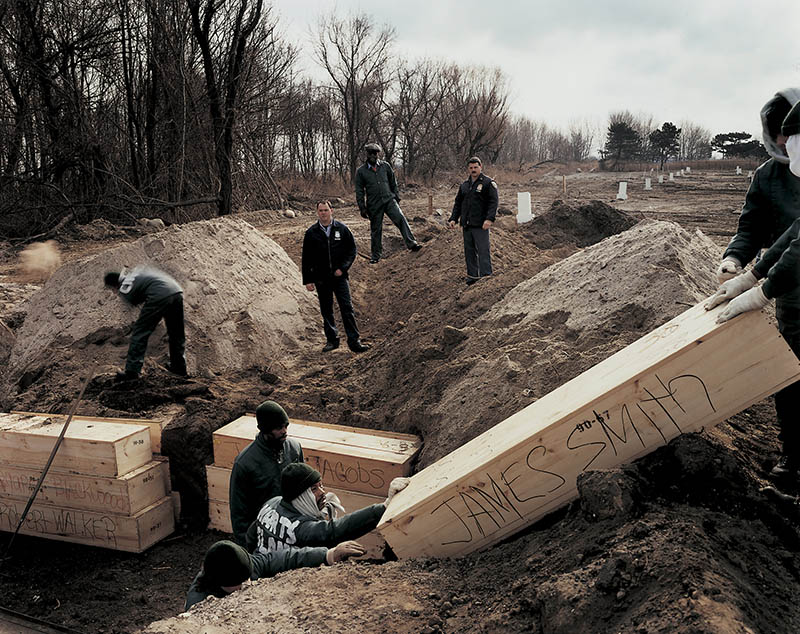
<point x="712" y="62"/>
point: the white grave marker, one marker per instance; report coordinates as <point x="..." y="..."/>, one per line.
<point x="524" y="207"/>
<point x="660" y="178"/>
<point x="738" y="171"/>
<point x="647" y="185"/>
<point x="622" y="194"/>
<point x="671" y="176"/>
<point x="688" y="170"/>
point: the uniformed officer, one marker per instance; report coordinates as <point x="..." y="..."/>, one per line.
<point x="376" y="195"/>
<point x="475" y="208"/>
<point x="162" y="297"/>
<point x="328" y="253"/>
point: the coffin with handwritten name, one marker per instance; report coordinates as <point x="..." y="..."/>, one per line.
<point x="350" y="458"/>
<point x="132" y="533"/>
<point x="688" y="374"/>
<point x="127" y="494"/>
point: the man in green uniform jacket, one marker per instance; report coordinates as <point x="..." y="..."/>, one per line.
<point x="376" y="195"/>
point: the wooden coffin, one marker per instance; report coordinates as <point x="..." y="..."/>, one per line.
<point x="127" y="494"/>
<point x="349" y="458"/>
<point x="132" y="533"/>
<point x="688" y="374"/>
<point x="96" y="448"/>
<point x="155" y="426"/>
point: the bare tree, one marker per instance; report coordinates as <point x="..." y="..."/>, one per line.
<point x="222" y="30"/>
<point x="695" y="142"/>
<point x="356" y="55"/>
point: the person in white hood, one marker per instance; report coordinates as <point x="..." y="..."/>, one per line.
<point x="771" y="207"/>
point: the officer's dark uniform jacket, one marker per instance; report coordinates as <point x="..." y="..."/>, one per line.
<point x="322" y="254"/>
<point x="475" y="202"/>
<point x="771" y="206"/>
<point x="264" y="565"/>
<point x="379" y="186"/>
<point x="279" y="525"/>
<point x="255" y="478"/>
<point x="143" y="283"/>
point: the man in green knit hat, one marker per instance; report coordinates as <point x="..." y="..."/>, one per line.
<point x="256" y="473"/>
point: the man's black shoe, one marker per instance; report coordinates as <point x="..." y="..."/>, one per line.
<point x="787" y="467"/>
<point x="178" y="371"/>
<point x="126" y="376"/>
<point x="472" y="280"/>
<point x="415" y="247"/>
<point x="374" y="260"/>
<point x="331" y="345"/>
<point x="357" y="346"/>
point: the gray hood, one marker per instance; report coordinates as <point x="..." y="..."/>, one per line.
<point x="792" y="95"/>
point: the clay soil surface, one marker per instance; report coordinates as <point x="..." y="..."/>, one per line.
<point x="680" y="541"/>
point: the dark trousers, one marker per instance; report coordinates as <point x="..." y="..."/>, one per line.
<point x="340" y="287"/>
<point x="476" y="252"/>
<point x="787" y="401"/>
<point x="171" y="310"/>
<point x="391" y="209"/>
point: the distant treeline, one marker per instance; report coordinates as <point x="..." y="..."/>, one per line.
<point x="191" y="108"/>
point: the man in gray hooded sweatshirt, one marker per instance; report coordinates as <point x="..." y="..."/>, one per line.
<point x="771" y="206"/>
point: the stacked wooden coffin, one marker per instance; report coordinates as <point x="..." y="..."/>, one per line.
<point x="356" y="464"/>
<point x="104" y="487"/>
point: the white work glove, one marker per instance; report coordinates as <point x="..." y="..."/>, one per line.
<point x="732" y="288"/>
<point x="343" y="551"/>
<point x="728" y="268"/>
<point x="753" y="299"/>
<point x="396" y="485"/>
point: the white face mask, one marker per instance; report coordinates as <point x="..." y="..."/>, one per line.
<point x="793" y="150"/>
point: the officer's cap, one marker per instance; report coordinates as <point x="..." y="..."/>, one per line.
<point x="372" y="147"/>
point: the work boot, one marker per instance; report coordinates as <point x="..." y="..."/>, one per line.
<point x="357" y="346"/>
<point x="127" y="375"/>
<point x="331" y="345"/>
<point x="415" y="247"/>
<point x="787" y="467"/>
<point x="179" y="371"/>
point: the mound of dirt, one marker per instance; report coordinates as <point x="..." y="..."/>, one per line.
<point x="581" y="226"/>
<point x="244" y="304"/>
<point x="561" y="322"/>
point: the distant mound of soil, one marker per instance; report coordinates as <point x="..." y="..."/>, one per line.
<point x="245" y="304"/>
<point x="581" y="226"/>
<point x="561" y="322"/>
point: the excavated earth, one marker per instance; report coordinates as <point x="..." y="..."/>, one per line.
<point x="679" y="541"/>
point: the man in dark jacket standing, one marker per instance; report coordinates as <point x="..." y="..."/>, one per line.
<point x="328" y="253"/>
<point x="162" y="297"/>
<point x="771" y="206"/>
<point x="376" y="195"/>
<point x="475" y="208"/>
<point x="256" y="473"/>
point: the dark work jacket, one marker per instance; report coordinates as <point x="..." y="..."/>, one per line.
<point x="771" y="206"/>
<point x="279" y="525"/>
<point x="255" y="478"/>
<point x="374" y="188"/>
<point x="322" y="255"/>
<point x="145" y="283"/>
<point x="264" y="565"/>
<point x="475" y="202"/>
<point x="781" y="264"/>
